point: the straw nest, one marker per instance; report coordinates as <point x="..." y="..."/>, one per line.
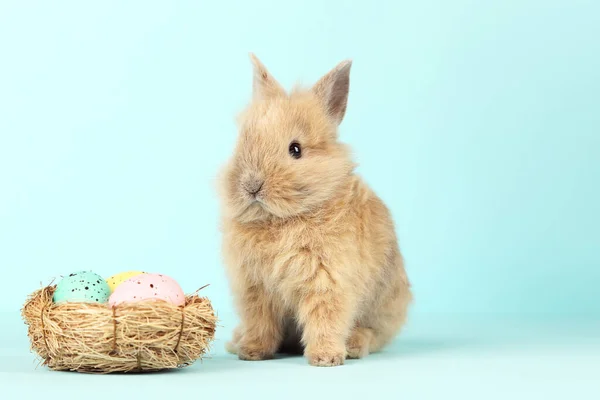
<point x="137" y="337"/>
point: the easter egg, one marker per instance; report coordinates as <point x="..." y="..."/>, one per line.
<point x="121" y="277"/>
<point x="148" y="287"/>
<point x="82" y="287"/>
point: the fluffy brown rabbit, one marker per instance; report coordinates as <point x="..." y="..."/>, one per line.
<point x="310" y="250"/>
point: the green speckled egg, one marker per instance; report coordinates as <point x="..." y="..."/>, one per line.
<point x="82" y="287"/>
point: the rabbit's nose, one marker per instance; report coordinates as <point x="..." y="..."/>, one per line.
<point x="253" y="186"/>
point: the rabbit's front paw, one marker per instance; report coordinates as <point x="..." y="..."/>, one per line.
<point x="326" y="357"/>
<point x="250" y="352"/>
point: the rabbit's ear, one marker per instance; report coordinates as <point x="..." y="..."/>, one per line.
<point x="263" y="83"/>
<point x="332" y="89"/>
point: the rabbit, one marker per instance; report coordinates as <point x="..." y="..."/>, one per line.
<point x="310" y="251"/>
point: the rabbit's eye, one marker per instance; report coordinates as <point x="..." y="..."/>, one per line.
<point x="295" y="150"/>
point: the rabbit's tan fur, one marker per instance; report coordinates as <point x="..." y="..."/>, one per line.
<point x="313" y="259"/>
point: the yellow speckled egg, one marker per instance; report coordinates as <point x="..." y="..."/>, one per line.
<point x="121" y="277"/>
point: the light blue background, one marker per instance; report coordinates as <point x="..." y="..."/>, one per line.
<point x="477" y="122"/>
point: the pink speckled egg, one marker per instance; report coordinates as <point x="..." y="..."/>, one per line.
<point x="148" y="287"/>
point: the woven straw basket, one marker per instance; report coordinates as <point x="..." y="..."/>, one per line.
<point x="139" y="337"/>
